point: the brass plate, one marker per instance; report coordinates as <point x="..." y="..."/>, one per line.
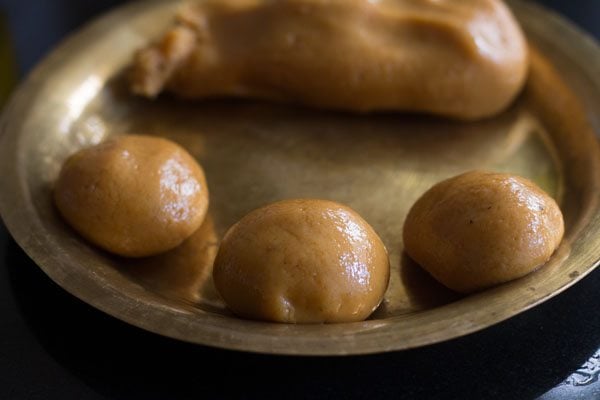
<point x="255" y="153"/>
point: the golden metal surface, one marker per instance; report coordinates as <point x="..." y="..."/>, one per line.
<point x="255" y="153"/>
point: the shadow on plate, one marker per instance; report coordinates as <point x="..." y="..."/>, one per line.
<point x="520" y="358"/>
<point x="412" y="289"/>
<point x="432" y="293"/>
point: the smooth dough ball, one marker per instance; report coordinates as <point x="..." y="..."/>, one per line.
<point x="480" y="229"/>
<point x="304" y="261"/>
<point x="133" y="195"/>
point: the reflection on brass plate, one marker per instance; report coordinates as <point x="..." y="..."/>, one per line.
<point x="256" y="152"/>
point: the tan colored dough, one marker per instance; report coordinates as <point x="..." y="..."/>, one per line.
<point x="461" y="58"/>
<point x="302" y="261"/>
<point x="133" y="195"/>
<point x="480" y="229"/>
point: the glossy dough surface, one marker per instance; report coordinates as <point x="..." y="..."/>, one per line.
<point x="480" y="229"/>
<point x="302" y="261"/>
<point x="465" y="59"/>
<point x="133" y="195"/>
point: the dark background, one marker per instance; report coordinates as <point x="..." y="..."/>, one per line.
<point x="52" y="346"/>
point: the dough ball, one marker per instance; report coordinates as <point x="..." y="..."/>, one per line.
<point x="133" y="195"/>
<point x="480" y="229"/>
<point x="304" y="261"/>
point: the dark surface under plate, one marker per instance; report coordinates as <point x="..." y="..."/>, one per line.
<point x="54" y="346"/>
